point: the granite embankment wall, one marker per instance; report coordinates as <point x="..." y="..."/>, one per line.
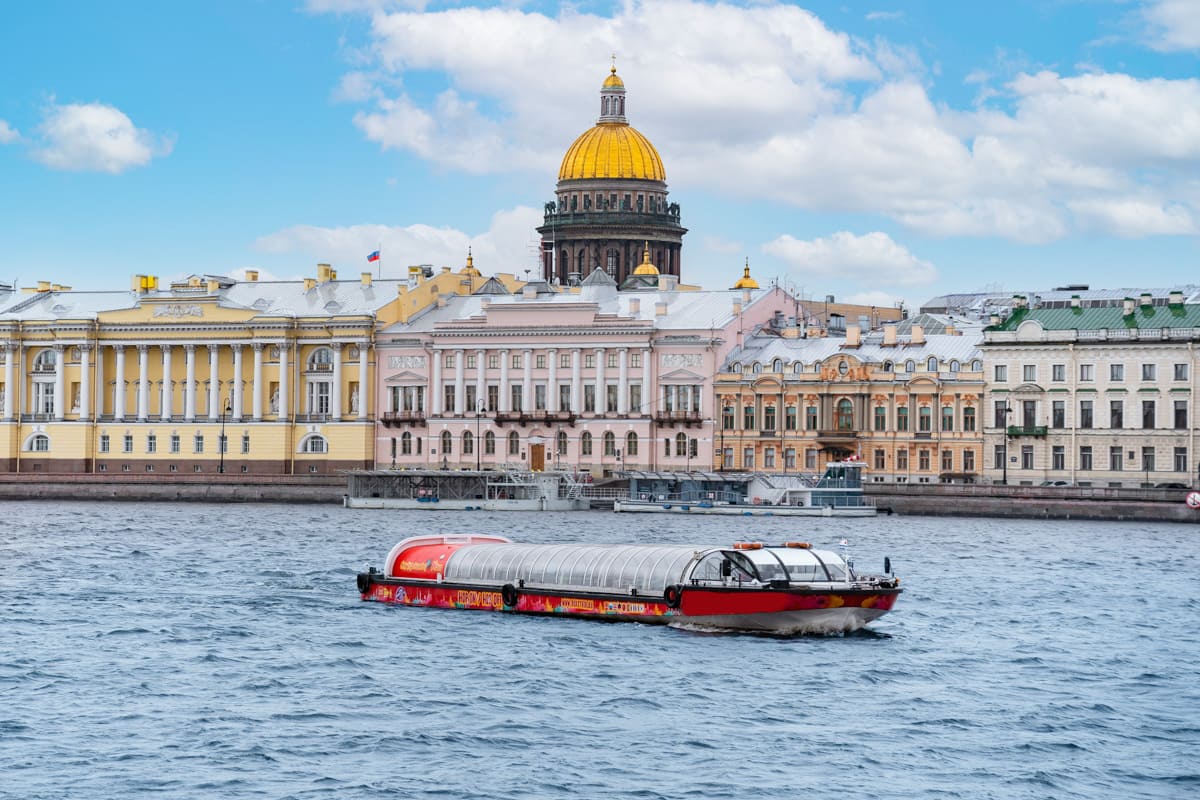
<point x="952" y="500"/>
<point x="176" y="488"/>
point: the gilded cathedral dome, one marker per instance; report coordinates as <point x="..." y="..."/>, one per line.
<point x="612" y="148"/>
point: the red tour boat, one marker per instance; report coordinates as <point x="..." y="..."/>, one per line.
<point x="791" y="588"/>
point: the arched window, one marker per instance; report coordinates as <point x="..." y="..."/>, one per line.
<point x="954" y="366"/>
<point x="39" y="442"/>
<point x="845" y="415"/>
<point x="320" y="360"/>
<point x="46" y="361"/>
<point x="680" y="444"/>
<point x="932" y="364"/>
<point x="777" y="366"/>
<point x="489" y="444"/>
<point x="468" y="443"/>
<point x="757" y="368"/>
<point x="406" y="444"/>
<point x="910" y="366"/>
<point x="631" y="444"/>
<point x="737" y="367"/>
<point x="585" y="444"/>
<point x="447" y="443"/>
<point x="562" y="443"/>
<point x="314" y="443"/>
<point x="976" y="366"/>
<point x="514" y="443"/>
<point x="610" y="443"/>
<point x="798" y="367"/>
<point x="887" y="366"/>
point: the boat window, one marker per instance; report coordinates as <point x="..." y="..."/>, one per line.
<point x="767" y="564"/>
<point x="617" y="568"/>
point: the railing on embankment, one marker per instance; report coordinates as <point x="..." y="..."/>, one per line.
<point x="1068" y="502"/>
<point x="227" y="488"/>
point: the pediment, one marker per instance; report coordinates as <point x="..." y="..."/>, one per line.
<point x="681" y="375"/>
<point x="1029" y="388"/>
<point x="406" y="377"/>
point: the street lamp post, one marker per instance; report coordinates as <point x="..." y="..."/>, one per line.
<point x="478" y="440"/>
<point x="1004" y="431"/>
<point x="221" y="438"/>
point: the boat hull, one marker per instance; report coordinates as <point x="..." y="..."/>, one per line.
<point x="765" y="610"/>
<point x="646" y="507"/>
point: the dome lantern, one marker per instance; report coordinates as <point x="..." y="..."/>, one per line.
<point x="746" y="282"/>
<point x="612" y="98"/>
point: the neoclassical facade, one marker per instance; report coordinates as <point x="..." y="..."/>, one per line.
<point x="595" y="381"/>
<point x="907" y="404"/>
<point x="1094" y="396"/>
<point x="610" y="202"/>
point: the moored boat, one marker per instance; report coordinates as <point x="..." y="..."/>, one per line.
<point x="791" y="588"/>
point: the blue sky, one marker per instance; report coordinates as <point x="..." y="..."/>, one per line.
<point x="877" y="151"/>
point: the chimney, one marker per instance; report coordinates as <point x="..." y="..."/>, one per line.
<point x="1127" y="306"/>
<point x="366" y="278"/>
<point x="918" y="334"/>
<point x="660" y="308"/>
<point x="635" y="305"/>
<point x="484" y="302"/>
<point x="1176" y="298"/>
<point x="853" y="336"/>
<point x="1147" y="300"/>
<point x="667" y="283"/>
<point x="529" y="292"/>
<point x="441" y="301"/>
<point x="309" y="283"/>
<point x="994" y="320"/>
<point x="252" y="275"/>
<point x="1076" y="302"/>
<point x="414" y="276"/>
<point x="212" y="286"/>
<point x="737" y="308"/>
<point x="44" y="286"/>
<point x="746" y="295"/>
<point x="889" y="335"/>
<point x="1018" y="301"/>
<point x="325" y="273"/>
<point x="951" y="331"/>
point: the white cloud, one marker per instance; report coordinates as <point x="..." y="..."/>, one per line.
<point x="95" y="137"/>
<point x="1172" y="24"/>
<point x="873" y="258"/>
<point x="873" y="298"/>
<point x="719" y="244"/>
<point x="504" y="247"/>
<point x="1133" y="219"/>
<point x="8" y="134"/>
<point x="355" y="87"/>
<point x="877" y="16"/>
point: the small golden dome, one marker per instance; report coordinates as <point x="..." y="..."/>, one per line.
<point x="613" y="81"/>
<point x="612" y="150"/>
<point x="646" y="268"/>
<point x="469" y="270"/>
<point x="746" y="282"/>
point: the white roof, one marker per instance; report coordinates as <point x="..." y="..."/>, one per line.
<point x="766" y="349"/>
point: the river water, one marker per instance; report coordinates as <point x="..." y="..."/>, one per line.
<point x="206" y="651"/>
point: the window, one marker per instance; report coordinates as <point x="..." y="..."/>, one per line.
<point x="880" y="459"/>
<point x="902" y="418"/>
<point x="947" y="461"/>
<point x="611" y="360"/>
<point x="1058" y="414"/>
<point x="947" y="418"/>
<point x="968" y="460"/>
<point x="40" y="443"/>
<point x="222" y="443"/>
<point x="589" y="397"/>
<point x="151" y="443"/>
<point x="768" y="456"/>
<point x="931" y="365"/>
<point x="539" y="397"/>
<point x="1000" y="413"/>
<point x="471" y="361"/>
<point x="589" y="360"/>
<point x="514" y="443"/>
<point x="680" y="444"/>
<point x="610" y="443"/>
<point x="777" y="365"/>
<point x="449" y="395"/>
<point x="448" y="360"/>
<point x="46" y="361"/>
<point x="447" y="442"/>
<point x="727" y="418"/>
<point x="489" y="444"/>
<point x="789" y="418"/>
<point x="1181" y="415"/>
<point x="127" y="445"/>
<point x="493" y="362"/>
<point x="245" y="444"/>
<point x="998" y="456"/>
<point x="314" y="444"/>
<point x="1147" y="372"/>
<point x="901" y="460"/>
<point x="1087" y="372"/>
<point x="1181" y="459"/>
<point x="880" y="418"/>
<point x="1181" y="372"/>
<point x="910" y="366"/>
<point x="104" y="443"/>
<point x="1116" y="414"/>
<point x="1058" y="372"/>
<point x="635" y="359"/>
<point x="43" y="397"/>
<point x="1085" y="414"/>
<point x="560" y="443"/>
<point x="810" y="458"/>
<point x="748" y="458"/>
<point x="789" y="458"/>
<point x="564" y="360"/>
<point x="493" y="397"/>
<point x="516" y="362"/>
<point x="1026" y="456"/>
<point x="1147" y="413"/>
<point x="769" y="418"/>
<point x="610" y="396"/>
<point x="1058" y="458"/>
<point x="747" y="417"/>
<point x="969" y="418"/>
<point x="1029" y="373"/>
<point x="631" y="444"/>
<point x="924" y="419"/>
<point x="585" y="444"/>
<point x="922" y="460"/>
<point x="318" y="397"/>
<point x="471" y="399"/>
<point x="1148" y="459"/>
<point x="174" y="442"/>
<point x="1085" y="459"/>
<point x="321" y="360"/>
<point x="810" y="418"/>
<point x="468" y="443"/>
<point x="406" y="444"/>
<point x="517" y="395"/>
<point x="539" y="361"/>
<point x="845" y="415"/>
<point x="1116" y="372"/>
<point x="635" y="397"/>
<point x="1001" y="373"/>
<point x="1116" y="458"/>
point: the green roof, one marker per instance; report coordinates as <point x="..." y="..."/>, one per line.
<point x="1105" y="318"/>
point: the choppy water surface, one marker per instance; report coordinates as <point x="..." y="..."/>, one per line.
<point x="221" y="651"/>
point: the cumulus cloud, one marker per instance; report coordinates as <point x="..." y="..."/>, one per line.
<point x="873" y="258"/>
<point x="95" y="137"/>
<point x="504" y="247"/>
<point x="873" y="298"/>
<point x="719" y="244"/>
<point x="1172" y="25"/>
<point x="8" y="135"/>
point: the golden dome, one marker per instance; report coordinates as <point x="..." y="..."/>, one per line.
<point x="470" y="270"/>
<point x="746" y="282"/>
<point x="646" y="268"/>
<point x="613" y="81"/>
<point x="612" y="150"/>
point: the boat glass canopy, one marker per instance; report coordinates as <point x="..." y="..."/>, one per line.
<point x="647" y="568"/>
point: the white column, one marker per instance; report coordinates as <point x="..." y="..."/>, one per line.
<point x="189" y="390"/>
<point x="576" y="380"/>
<point x="647" y="384"/>
<point x="552" y="383"/>
<point x="166" y="405"/>
<point x="460" y="382"/>
<point x="98" y="382"/>
<point x="623" y="382"/>
<point x="364" y="359"/>
<point x="10" y="378"/>
<point x="85" y="381"/>
<point x="435" y="391"/>
<point x="335" y="394"/>
<point x="256" y="390"/>
<point x="505" y="396"/>
<point x="143" y="388"/>
<point x="527" y="383"/>
<point x="237" y="383"/>
<point x="285" y="379"/>
<point x="601" y="395"/>
<point x="214" y="384"/>
<point x="60" y="382"/>
<point x="119" y="385"/>
<point x="480" y="385"/>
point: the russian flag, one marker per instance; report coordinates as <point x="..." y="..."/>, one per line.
<point x="374" y="256"/>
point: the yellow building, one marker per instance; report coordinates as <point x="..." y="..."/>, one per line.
<point x="206" y="375"/>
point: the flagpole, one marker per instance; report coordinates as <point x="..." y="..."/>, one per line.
<point x="379" y="267"/>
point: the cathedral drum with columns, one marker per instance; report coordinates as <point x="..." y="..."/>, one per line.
<point x="611" y="202"/>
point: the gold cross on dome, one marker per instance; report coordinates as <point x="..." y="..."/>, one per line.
<point x="614" y="63"/>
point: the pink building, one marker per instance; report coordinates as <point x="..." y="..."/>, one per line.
<point x="594" y="381"/>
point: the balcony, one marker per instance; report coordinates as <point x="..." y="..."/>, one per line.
<point x="837" y="437"/>
<point x="397" y="419"/>
<point x="673" y="418"/>
<point x="537" y="416"/>
<point x="624" y="217"/>
<point x="923" y="435"/>
<point x="1027" y="430"/>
